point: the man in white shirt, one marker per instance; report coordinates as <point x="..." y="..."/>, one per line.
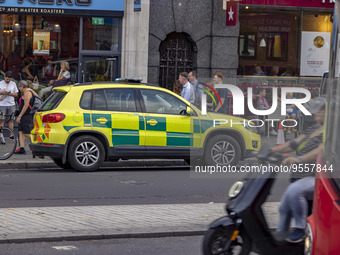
<point x="188" y="92"/>
<point x="8" y="92"/>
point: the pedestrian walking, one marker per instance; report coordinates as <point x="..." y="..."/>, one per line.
<point x="177" y="88"/>
<point x="197" y="86"/>
<point x="8" y="92"/>
<point x="222" y="92"/>
<point x="187" y="91"/>
<point x="25" y="118"/>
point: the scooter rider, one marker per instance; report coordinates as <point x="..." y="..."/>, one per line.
<point x="294" y="201"/>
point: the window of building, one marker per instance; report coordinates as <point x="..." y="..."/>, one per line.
<point x="271" y="38"/>
<point x="101" y="34"/>
<point x="40" y="38"/>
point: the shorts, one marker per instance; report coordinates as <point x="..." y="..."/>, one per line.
<point x="7" y="110"/>
<point x="26" y="123"/>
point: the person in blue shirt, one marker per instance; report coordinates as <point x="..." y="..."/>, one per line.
<point x="188" y="92"/>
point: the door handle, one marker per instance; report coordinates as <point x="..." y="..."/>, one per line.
<point x="152" y="122"/>
<point x="101" y="120"/>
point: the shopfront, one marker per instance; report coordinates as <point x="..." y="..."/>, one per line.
<point x="85" y="33"/>
<point x="284" y="38"/>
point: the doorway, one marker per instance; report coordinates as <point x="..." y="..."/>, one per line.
<point x="95" y="69"/>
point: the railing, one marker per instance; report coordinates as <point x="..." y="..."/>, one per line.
<point x="278" y="80"/>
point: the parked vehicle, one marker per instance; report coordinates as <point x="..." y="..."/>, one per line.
<point x="82" y="125"/>
<point x="245" y="229"/>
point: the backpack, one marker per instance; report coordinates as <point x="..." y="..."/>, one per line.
<point x="37" y="102"/>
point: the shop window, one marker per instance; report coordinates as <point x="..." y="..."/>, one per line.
<point x="101" y="34"/>
<point x="247" y="46"/>
<point x="40" y="38"/>
<point x="277" y="46"/>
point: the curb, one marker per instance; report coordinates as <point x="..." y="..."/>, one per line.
<point x="98" y="236"/>
<point x="120" y="164"/>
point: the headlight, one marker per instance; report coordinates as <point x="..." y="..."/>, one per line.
<point x="308" y="240"/>
<point x="248" y="127"/>
<point x="235" y="189"/>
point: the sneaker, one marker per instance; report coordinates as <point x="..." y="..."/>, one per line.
<point x="273" y="132"/>
<point x="297" y="236"/>
<point x="20" y="150"/>
<point x="11" y="137"/>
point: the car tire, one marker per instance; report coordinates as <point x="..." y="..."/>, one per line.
<point x="59" y="162"/>
<point x="222" y="150"/>
<point x="86" y="153"/>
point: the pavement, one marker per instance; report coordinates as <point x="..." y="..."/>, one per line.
<point x="32" y="224"/>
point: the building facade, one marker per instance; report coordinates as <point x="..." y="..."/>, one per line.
<point x="192" y="35"/>
<point x="186" y="35"/>
<point x="101" y="40"/>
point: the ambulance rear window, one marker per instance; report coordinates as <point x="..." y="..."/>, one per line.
<point x="53" y="101"/>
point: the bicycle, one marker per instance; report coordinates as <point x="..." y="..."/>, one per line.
<point x="8" y="140"/>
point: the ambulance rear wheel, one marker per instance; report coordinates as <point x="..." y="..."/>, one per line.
<point x="222" y="150"/>
<point x="86" y="153"/>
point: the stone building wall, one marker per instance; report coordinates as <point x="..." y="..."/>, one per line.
<point x="204" y="21"/>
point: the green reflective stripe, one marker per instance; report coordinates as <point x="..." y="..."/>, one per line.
<point x="175" y="134"/>
<point x="178" y="141"/>
<point x="125" y="140"/>
<point x="141" y="123"/>
<point x="197" y="128"/>
<point x="125" y="132"/>
<point x="87" y="119"/>
<point x="206" y="124"/>
<point x="160" y="126"/>
<point x="68" y="128"/>
<point x="217" y="122"/>
<point x="96" y="123"/>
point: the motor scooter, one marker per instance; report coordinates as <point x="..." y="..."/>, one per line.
<point x="245" y="229"/>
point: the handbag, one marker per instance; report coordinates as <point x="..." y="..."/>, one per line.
<point x="2" y="97"/>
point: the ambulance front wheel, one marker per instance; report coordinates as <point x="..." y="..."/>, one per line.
<point x="222" y="150"/>
<point x="86" y="153"/>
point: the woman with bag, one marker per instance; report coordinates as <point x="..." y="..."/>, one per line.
<point x="25" y="118"/>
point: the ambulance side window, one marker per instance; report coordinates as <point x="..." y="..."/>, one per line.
<point x="86" y="100"/>
<point x="160" y="102"/>
<point x="99" y="102"/>
<point x="122" y="100"/>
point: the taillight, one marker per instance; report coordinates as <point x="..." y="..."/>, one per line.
<point x="53" y="118"/>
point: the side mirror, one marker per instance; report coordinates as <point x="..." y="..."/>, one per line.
<point x="189" y="110"/>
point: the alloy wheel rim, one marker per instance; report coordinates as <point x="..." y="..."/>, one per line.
<point x="223" y="153"/>
<point x="87" y="153"/>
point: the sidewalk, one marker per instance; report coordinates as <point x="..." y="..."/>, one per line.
<point x="19" y="225"/>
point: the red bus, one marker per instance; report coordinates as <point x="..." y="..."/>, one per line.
<point x="323" y="227"/>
